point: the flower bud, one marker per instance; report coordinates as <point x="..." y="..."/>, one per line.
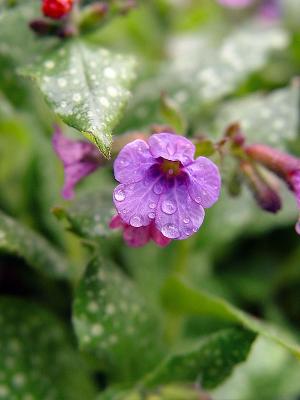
<point x="43" y="27"/>
<point x="275" y="160"/>
<point x="92" y="15"/>
<point x="56" y="9"/>
<point x="265" y="195"/>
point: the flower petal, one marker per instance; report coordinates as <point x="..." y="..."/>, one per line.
<point x="116" y="222"/>
<point x="178" y="216"/>
<point x="158" y="237"/>
<point x="79" y="159"/>
<point x="71" y="151"/>
<point x="136" y="237"/>
<point x="172" y="147"/>
<point x="205" y="181"/>
<point x="74" y="173"/>
<point x="132" y="162"/>
<point x="137" y="202"/>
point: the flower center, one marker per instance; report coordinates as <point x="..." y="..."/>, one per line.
<point x="170" y="168"/>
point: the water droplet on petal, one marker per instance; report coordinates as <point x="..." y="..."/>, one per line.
<point x="186" y="220"/>
<point x="168" y="207"/>
<point x="158" y="188"/>
<point x="188" y="230"/>
<point x="170" y="231"/>
<point x="119" y="195"/>
<point x="151" y="215"/>
<point x="198" y="199"/>
<point x="152" y="205"/>
<point x="124" y="162"/>
<point x="136" y="221"/>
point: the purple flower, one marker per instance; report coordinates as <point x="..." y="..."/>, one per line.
<point x="161" y="183"/>
<point x="138" y="237"/>
<point x="236" y="3"/>
<point x="270" y="10"/>
<point x="79" y="158"/>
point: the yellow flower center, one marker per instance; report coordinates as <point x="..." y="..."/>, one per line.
<point x="171" y="168"/>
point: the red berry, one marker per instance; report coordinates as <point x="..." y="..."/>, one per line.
<point x="56" y="9"/>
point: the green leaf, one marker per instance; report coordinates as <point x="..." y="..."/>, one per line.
<point x="209" y="361"/>
<point x="275" y="377"/>
<point x="37" y="252"/>
<point x="86" y="86"/>
<point x="181" y="298"/>
<point x="270" y="119"/>
<point x="18" y="41"/>
<point x="172" y="114"/>
<point x="203" y="68"/>
<point x="36" y="360"/>
<point x="89" y="215"/>
<point x="112" y="321"/>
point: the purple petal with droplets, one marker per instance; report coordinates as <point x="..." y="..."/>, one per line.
<point x="172" y="147"/>
<point x="137" y="202"/>
<point x="158" y="237"/>
<point x="133" y="161"/>
<point x="178" y="216"/>
<point x="205" y="181"/>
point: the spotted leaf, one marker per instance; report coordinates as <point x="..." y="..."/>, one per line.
<point x="36" y="360"/>
<point x="270" y="119"/>
<point x="112" y="321"/>
<point x="87" y="87"/>
<point x="182" y="298"/>
<point x="204" y="68"/>
<point x="209" y="361"/>
<point x="37" y="252"/>
<point x="89" y="215"/>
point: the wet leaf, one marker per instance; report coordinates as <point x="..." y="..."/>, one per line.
<point x="87" y="87"/>
<point x="113" y="322"/>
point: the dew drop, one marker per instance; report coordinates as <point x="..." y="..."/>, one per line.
<point x="188" y="230"/>
<point x="152" y="205"/>
<point x="124" y="162"/>
<point x="151" y="215"/>
<point x="158" y="188"/>
<point x="136" y="221"/>
<point x="198" y="200"/>
<point x="186" y="220"/>
<point x="119" y="195"/>
<point x="170" y="231"/>
<point x="168" y="207"/>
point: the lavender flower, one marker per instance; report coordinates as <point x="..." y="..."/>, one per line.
<point x="138" y="237"/>
<point x="268" y="10"/>
<point x="161" y="183"/>
<point x="236" y="3"/>
<point x="79" y="158"/>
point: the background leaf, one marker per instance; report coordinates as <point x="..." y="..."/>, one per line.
<point x="23" y="242"/>
<point x="89" y="214"/>
<point x="209" y="362"/>
<point x="36" y="359"/>
<point x="87" y="87"/>
<point x="182" y="298"/>
<point x="112" y="321"/>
